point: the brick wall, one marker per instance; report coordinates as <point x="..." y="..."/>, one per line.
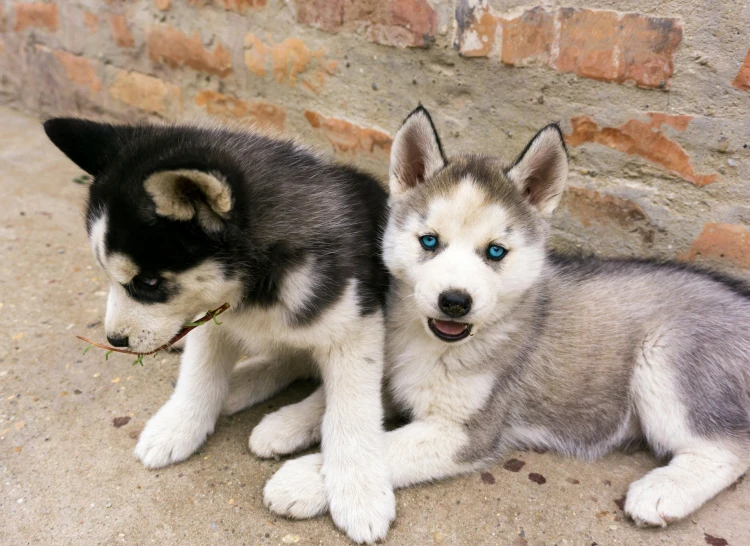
<point x="654" y="98"/>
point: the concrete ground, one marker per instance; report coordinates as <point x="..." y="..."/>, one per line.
<point x="69" y="423"/>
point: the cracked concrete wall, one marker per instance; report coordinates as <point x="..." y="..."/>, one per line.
<point x="653" y="99"/>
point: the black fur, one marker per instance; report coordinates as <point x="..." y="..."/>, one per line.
<point x="288" y="205"/>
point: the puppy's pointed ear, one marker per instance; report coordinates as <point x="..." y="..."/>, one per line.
<point x="184" y="194"/>
<point x="541" y="171"/>
<point x="89" y="144"/>
<point x="416" y="153"/>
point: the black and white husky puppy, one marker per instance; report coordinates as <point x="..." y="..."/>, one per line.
<point x="185" y="218"/>
<point x="494" y="343"/>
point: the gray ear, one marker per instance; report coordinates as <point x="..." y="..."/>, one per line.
<point x="416" y="153"/>
<point x="183" y="194"/>
<point x="541" y="171"/>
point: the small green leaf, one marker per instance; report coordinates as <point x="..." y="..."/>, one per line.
<point x="194" y="324"/>
<point x="86" y="350"/>
<point x="106" y="356"/>
<point x="216" y="321"/>
<point x="138" y="360"/>
<point x="83" y="179"/>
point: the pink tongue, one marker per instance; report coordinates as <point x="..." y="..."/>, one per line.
<point x="449" y="328"/>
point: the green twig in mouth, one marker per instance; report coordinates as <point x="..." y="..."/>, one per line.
<point x="211" y="315"/>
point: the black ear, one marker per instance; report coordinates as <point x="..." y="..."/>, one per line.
<point x="541" y="171"/>
<point x="89" y="144"/>
<point x="416" y="153"/>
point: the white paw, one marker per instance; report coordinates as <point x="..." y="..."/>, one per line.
<point x="361" y="501"/>
<point x="297" y="489"/>
<point x="171" y="436"/>
<point x="283" y="432"/>
<point x="657" y="500"/>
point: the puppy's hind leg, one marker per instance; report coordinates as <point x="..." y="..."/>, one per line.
<point x="701" y="465"/>
<point x="292" y="428"/>
<point x="694" y="475"/>
<point x="259" y="378"/>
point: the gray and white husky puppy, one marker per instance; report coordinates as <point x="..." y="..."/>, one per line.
<point x="184" y="218"/>
<point x="494" y="343"/>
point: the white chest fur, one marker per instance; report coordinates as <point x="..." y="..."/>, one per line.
<point x="433" y="383"/>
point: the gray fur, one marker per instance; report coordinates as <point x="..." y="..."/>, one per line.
<point x="568" y="369"/>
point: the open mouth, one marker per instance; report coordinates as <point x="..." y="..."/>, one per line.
<point x="448" y="330"/>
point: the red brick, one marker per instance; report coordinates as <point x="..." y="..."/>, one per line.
<point x="606" y="45"/>
<point x="91" y="21"/>
<point x="403" y="23"/>
<point x="644" y="139"/>
<point x="742" y="80"/>
<point x="256" y="112"/>
<point x="529" y="36"/>
<point x="120" y="31"/>
<point x="147" y="93"/>
<point x="599" y="44"/>
<point x="721" y="242"/>
<point x="348" y="137"/>
<point x="291" y="60"/>
<point x="591" y="207"/>
<point x="168" y="45"/>
<point x="477" y="29"/>
<point x="291" y="57"/>
<point x="323" y="14"/>
<point x="648" y="45"/>
<point x="256" y="53"/>
<point x="36" y="15"/>
<point x="79" y="70"/>
<point x="588" y="40"/>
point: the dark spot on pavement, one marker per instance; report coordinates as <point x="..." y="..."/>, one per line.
<point x="572" y="480"/>
<point x="93" y="324"/>
<point x="537" y="478"/>
<point x="514" y="465"/>
<point x="488" y="478"/>
<point x="715" y="541"/>
<point x="118" y="422"/>
<point x="608" y="483"/>
<point x="77" y="391"/>
<point x="620" y="503"/>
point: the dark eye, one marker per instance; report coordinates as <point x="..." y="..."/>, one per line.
<point x="428" y="242"/>
<point x="496" y="253"/>
<point x="149" y="283"/>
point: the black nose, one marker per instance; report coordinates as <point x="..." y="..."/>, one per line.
<point x="117" y="341"/>
<point x="454" y="303"/>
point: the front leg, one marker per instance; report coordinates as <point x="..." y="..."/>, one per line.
<point x="359" y="492"/>
<point x="419" y="452"/>
<point x="182" y="424"/>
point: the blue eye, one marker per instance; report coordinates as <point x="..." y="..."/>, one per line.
<point x="428" y="242"/>
<point x="496" y="253"/>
